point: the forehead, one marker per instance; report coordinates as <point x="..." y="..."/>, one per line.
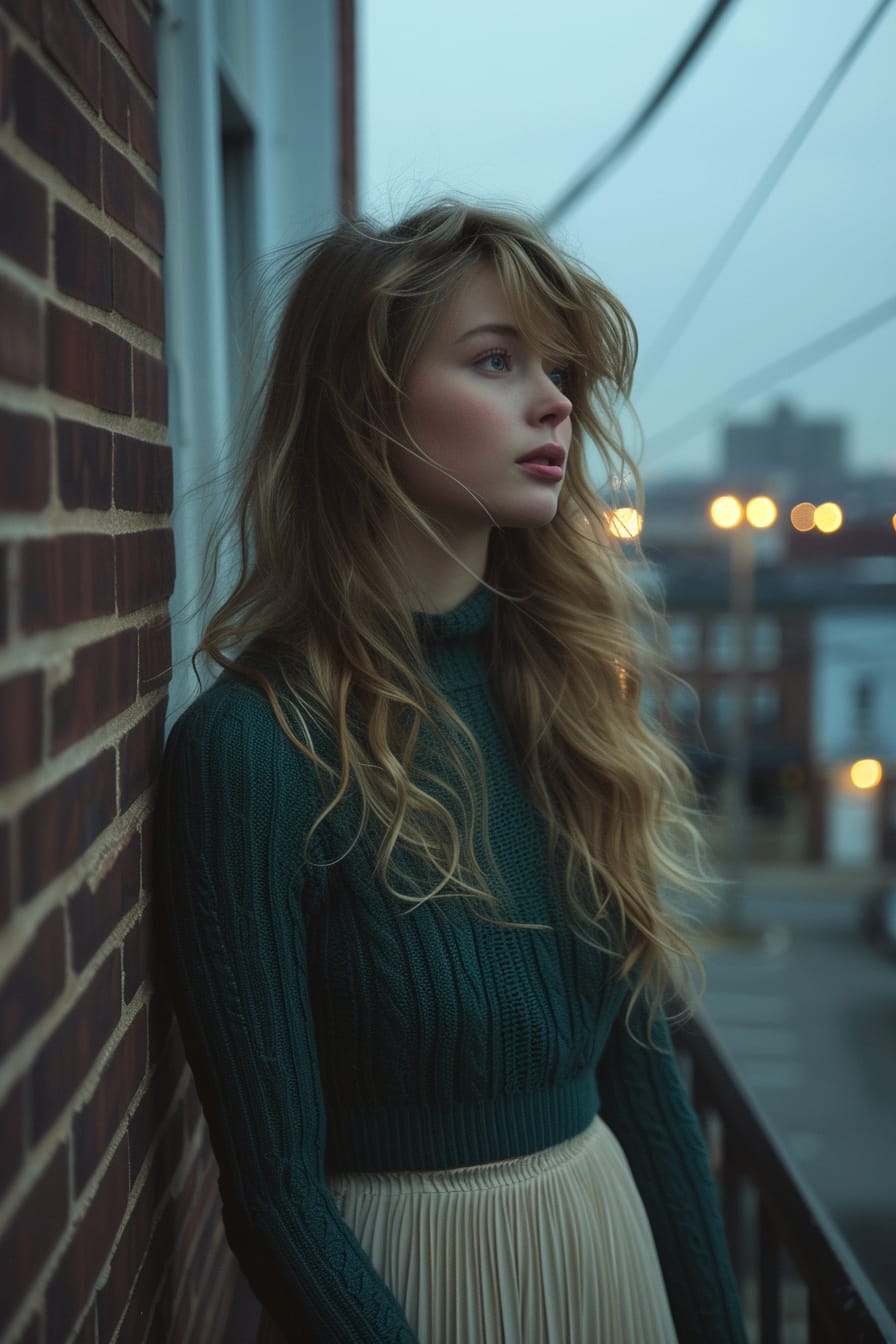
<point x="526" y="311"/>
<point x="478" y="300"/>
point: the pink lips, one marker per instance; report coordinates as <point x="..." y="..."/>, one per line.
<point x="545" y="462"/>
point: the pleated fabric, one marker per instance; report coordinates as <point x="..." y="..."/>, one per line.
<point x="551" y="1248"/>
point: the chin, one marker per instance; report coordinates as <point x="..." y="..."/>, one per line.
<point x="535" y="514"/>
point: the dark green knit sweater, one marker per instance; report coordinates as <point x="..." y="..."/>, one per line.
<point x="329" y="1028"/>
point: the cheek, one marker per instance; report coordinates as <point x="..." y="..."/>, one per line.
<point x="454" y="421"/>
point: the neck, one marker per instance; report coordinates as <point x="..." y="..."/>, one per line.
<point x="438" y="581"/>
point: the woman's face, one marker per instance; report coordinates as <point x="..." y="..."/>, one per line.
<point x="491" y="416"/>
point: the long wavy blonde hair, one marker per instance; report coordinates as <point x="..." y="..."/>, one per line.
<point x="321" y="595"/>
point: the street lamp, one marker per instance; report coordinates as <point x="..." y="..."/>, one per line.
<point x="625" y="523"/>
<point x="728" y="513"/>
<point x="866" y="774"/>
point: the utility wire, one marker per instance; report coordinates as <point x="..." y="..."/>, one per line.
<point x="608" y="156"/>
<point x="711" y="269"/>
<point x="761" y="380"/>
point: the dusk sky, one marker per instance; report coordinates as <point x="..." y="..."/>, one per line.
<point x="509" y="102"/>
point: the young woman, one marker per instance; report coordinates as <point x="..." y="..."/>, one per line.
<point x="411" y="840"/>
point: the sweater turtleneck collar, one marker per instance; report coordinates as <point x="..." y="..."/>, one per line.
<point x="453" y="640"/>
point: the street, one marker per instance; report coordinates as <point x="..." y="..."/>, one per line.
<point x="808" y="1014"/>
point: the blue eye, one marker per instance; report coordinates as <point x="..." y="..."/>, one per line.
<point x="496" y="361"/>
<point x="558" y="376"/>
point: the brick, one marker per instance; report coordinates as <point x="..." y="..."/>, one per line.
<point x="24" y="462"/>
<point x="21" y="334"/>
<point x="144" y="131"/>
<point x="72" y="43"/>
<point x="87" y="362"/>
<point x="65" y="579"/>
<point x="129" y="198"/>
<point x="94" y="1125"/>
<point x="143" y="476"/>
<point x="160" y="1316"/>
<point x="140" y="755"/>
<point x="103" y="682"/>
<point x="23" y="219"/>
<point x="35" y="981"/>
<point x="83" y="465"/>
<point x="75" y="1279"/>
<point x="6" y="891"/>
<point x="52" y="126"/>
<point x="93" y="914"/>
<point x="154" y="1283"/>
<point x="12" y="1136"/>
<point x="150" y="388"/>
<point x="87" y="1333"/>
<point x="22" y="716"/>
<point x="83" y="259"/>
<point x="145" y="1124"/>
<point x="27" y="12"/>
<point x="70" y="1053"/>
<point x="32" y="1332"/>
<point x="144" y="568"/>
<point x="33" y="1232"/>
<point x="162" y="1029"/>
<point x="4" y="605"/>
<point x="114" y="14"/>
<point x="137" y="954"/>
<point x="144" y="1132"/>
<point x="147" y="831"/>
<point x="125" y="1266"/>
<point x="141" y="48"/>
<point x="138" y="293"/>
<point x="115" y="93"/>
<point x="60" y="825"/>
<point x="5" y="105"/>
<point x="154" y="656"/>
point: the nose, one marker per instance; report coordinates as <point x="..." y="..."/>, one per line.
<point x="550" y="406"/>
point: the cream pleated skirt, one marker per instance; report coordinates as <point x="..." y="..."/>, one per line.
<point x="551" y="1248"/>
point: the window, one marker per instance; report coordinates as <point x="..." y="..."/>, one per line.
<point x="766" y="649"/>
<point x="722" y="707"/>
<point x="765" y="703"/>
<point x="724" y="642"/>
<point x="684" y="641"/>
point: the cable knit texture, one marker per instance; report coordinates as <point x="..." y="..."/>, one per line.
<point x="332" y="1028"/>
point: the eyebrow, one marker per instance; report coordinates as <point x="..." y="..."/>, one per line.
<point x="499" y="328"/>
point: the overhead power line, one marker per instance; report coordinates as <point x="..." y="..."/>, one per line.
<point x="709" y="272"/>
<point x="608" y="156"/>
<point x="767" y="377"/>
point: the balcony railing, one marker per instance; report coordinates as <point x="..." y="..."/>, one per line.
<point x="799" y="1280"/>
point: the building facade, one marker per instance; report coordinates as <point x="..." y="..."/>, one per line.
<point x="148" y="154"/>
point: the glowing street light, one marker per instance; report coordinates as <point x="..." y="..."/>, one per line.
<point x="802" y="517"/>
<point x="625" y="523"/>
<point x="866" y="774"/>
<point x="761" y="511"/>
<point x="828" y="517"/>
<point x="726" y="511"/>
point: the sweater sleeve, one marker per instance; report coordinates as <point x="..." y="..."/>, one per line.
<point x="235" y="802"/>
<point x="643" y="1100"/>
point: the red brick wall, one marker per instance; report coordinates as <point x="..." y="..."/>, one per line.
<point x="109" y="1224"/>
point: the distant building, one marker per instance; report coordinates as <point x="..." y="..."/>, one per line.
<point x="821" y="682"/>
<point x="785" y="456"/>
